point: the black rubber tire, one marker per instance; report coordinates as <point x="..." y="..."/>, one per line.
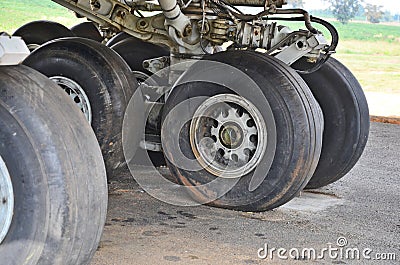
<point x="346" y="114"/>
<point x="57" y="172"/>
<point x="134" y="52"/>
<point x="106" y="80"/>
<point x="299" y="125"/>
<point x="117" y="38"/>
<point x="87" y="30"/>
<point x="42" y="31"/>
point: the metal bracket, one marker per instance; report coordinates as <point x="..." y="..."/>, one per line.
<point x="301" y="47"/>
<point x="156" y="64"/>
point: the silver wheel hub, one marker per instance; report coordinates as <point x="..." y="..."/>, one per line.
<point x="76" y="92"/>
<point x="6" y="200"/>
<point x="228" y="135"/>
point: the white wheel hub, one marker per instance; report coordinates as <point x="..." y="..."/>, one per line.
<point x="228" y="135"/>
<point x="6" y="200"/>
<point x="77" y="94"/>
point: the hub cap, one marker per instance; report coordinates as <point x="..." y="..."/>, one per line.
<point x="76" y="92"/>
<point x="228" y="135"/>
<point x="6" y="200"/>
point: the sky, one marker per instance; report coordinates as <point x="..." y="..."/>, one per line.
<point x="390" y="5"/>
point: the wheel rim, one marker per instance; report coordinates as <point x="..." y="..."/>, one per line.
<point x="6" y="200"/>
<point x="76" y="92"/>
<point x="228" y="135"/>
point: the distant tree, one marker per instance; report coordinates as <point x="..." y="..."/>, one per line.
<point x="387" y="17"/>
<point x="374" y="13"/>
<point x="360" y="12"/>
<point x="344" y="10"/>
<point x="296" y="3"/>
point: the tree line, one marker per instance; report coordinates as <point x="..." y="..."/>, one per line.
<point x="345" y="10"/>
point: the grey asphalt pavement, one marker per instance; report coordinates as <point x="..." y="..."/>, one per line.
<point x="361" y="213"/>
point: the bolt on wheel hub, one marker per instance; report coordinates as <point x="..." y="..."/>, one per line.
<point x="231" y="135"/>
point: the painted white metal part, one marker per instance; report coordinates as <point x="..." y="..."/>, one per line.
<point x="301" y="47"/>
<point x="13" y="50"/>
<point x="6" y="200"/>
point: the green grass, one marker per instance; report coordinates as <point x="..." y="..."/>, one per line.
<point x="369" y="48"/>
<point x="358" y="31"/>
<point x="375" y="73"/>
<point x="15" y="13"/>
<point x="371" y="51"/>
<point x="368" y="32"/>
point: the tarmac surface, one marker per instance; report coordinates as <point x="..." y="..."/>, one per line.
<point x="358" y="214"/>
